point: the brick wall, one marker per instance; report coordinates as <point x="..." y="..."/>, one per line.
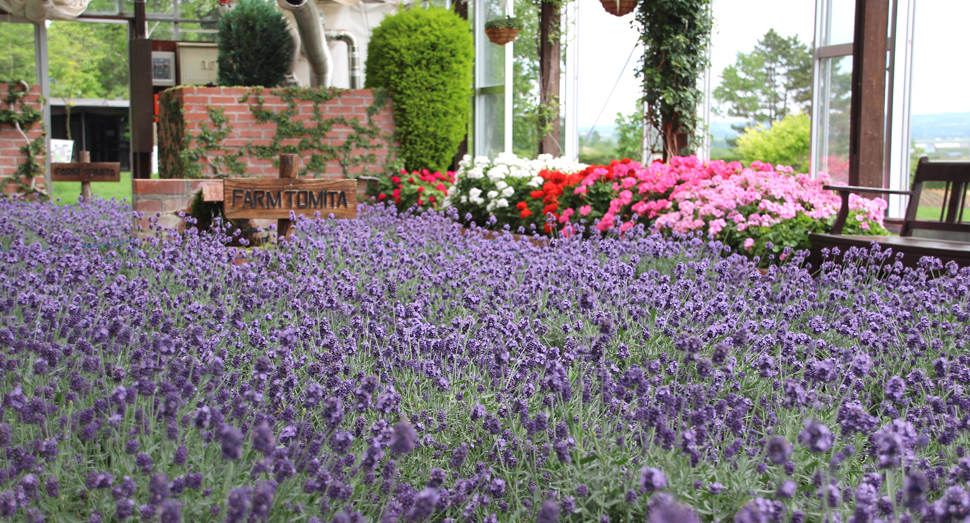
<point x="246" y="130"/>
<point x="164" y="197"/>
<point x="11" y="140"/>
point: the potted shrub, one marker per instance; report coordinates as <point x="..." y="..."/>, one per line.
<point x="503" y="30"/>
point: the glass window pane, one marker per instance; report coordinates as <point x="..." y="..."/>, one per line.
<point x="17" y="56"/>
<point x="835" y="84"/>
<point x="841" y="22"/>
<point x="102" y="7"/>
<point x="491" y="139"/>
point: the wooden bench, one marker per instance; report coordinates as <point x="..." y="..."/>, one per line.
<point x="947" y="238"/>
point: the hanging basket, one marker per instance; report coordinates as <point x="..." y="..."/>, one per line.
<point x="619" y="7"/>
<point x="501" y="36"/>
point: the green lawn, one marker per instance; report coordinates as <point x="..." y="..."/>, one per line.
<point x="933" y="213"/>
<point x="68" y="192"/>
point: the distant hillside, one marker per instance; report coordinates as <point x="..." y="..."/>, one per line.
<point x="923" y="127"/>
<point x="945" y="125"/>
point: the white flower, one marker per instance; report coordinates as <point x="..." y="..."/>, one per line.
<point x="492" y="195"/>
<point x="475" y="173"/>
<point x="536" y="182"/>
<point x="501" y="185"/>
<point x="497" y="173"/>
<point x="481" y="161"/>
<point x="475" y="192"/>
<point x="490" y="206"/>
<point x="508" y="191"/>
<point x="463" y="199"/>
<point x="453" y="190"/>
<point x="502" y="202"/>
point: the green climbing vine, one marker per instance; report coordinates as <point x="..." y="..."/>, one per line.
<point x="181" y="152"/>
<point x="16" y="113"/>
<point x="185" y="160"/>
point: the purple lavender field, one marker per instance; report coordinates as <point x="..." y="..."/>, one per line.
<point x="390" y="369"/>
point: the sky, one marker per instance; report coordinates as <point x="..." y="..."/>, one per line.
<point x="605" y="43"/>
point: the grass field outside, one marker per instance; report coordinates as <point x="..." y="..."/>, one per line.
<point x="68" y="192"/>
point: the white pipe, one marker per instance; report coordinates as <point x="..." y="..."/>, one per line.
<point x="309" y="23"/>
<point x="353" y="55"/>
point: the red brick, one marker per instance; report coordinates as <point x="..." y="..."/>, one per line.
<point x="222" y="100"/>
<point x="158" y="186"/>
<point x="148" y="206"/>
<point x="196" y="99"/>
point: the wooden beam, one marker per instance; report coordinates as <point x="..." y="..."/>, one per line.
<point x="868" y="112"/>
<point x="550" y="55"/>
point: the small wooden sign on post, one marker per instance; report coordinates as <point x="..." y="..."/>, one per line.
<point x="255" y="198"/>
<point x="86" y="172"/>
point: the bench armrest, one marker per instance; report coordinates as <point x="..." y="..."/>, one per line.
<point x="844" y="192"/>
<point x="851" y="189"/>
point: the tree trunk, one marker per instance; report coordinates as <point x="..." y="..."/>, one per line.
<point x="550" y="18"/>
<point x="461" y="9"/>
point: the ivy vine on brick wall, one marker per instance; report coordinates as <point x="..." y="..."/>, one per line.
<point x="184" y="161"/>
<point x="180" y="158"/>
<point x="16" y="113"/>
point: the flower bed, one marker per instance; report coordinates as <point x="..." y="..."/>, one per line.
<point x="763" y="212"/>
<point x="392" y="369"/>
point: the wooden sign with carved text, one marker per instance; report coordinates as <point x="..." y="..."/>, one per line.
<point x="86" y="172"/>
<point x="256" y="198"/>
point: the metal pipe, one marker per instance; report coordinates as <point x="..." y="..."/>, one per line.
<point x="353" y="55"/>
<point x="309" y="23"/>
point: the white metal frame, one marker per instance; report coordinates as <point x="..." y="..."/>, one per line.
<point x="481" y="46"/>
<point x="571" y="83"/>
<point x="898" y="94"/>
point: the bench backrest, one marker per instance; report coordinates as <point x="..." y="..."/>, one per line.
<point x="950" y="224"/>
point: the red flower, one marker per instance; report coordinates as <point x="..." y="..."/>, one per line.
<point x="420" y="189"/>
<point x="410" y="180"/>
<point x="550" y="208"/>
<point x="420" y="203"/>
<point x="395" y="180"/>
<point x="525" y="213"/>
<point x="397" y="194"/>
<point x="521" y="205"/>
<point x="431" y="199"/>
<point x="381" y="196"/>
<point x="537" y="194"/>
<point x="441" y="187"/>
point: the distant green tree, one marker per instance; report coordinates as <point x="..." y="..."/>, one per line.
<point x="767" y="84"/>
<point x="784" y="143"/>
<point x="629" y="134"/>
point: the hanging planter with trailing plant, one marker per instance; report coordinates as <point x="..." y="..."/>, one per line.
<point x="619" y="7"/>
<point x="503" y="30"/>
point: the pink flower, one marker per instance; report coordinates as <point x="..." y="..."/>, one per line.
<point x="584" y="210"/>
<point x="580" y="190"/>
<point x="626" y="226"/>
<point x="565" y="215"/>
<point x="748" y="244"/>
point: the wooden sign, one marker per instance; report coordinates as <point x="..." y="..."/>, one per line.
<point x="275" y="198"/>
<point x="86" y="172"/>
<point x="254" y="198"/>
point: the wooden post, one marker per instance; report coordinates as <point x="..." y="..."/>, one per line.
<point x="867" y="125"/>
<point x="287" y="170"/>
<point x="550" y="21"/>
<point x="85" y="186"/>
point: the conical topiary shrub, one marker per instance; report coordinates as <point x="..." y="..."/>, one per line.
<point x="255" y="47"/>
